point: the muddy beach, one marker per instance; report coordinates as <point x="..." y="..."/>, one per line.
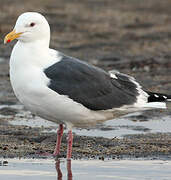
<point x="131" y="36"/>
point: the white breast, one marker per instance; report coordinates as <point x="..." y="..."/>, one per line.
<point x="30" y="86"/>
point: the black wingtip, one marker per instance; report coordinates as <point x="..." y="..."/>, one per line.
<point x="158" y="97"/>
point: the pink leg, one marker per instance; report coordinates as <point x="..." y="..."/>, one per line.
<point x="69" y="148"/>
<point x="58" y="141"/>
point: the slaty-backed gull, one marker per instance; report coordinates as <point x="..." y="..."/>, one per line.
<point x="64" y="89"/>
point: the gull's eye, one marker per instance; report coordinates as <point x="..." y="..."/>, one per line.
<point x="32" y="24"/>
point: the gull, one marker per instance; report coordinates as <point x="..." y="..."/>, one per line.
<point x="66" y="90"/>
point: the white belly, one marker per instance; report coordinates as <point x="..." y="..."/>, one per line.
<point x="30" y="85"/>
<point x="32" y="90"/>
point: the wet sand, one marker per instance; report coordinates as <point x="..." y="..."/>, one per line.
<point x="143" y="134"/>
<point x="130" y="36"/>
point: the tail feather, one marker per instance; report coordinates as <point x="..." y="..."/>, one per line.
<point x="158" y="97"/>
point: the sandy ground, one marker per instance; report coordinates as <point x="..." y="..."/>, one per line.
<point x="131" y="36"/>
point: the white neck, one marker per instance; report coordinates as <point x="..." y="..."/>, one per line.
<point x="26" y="54"/>
<point x="38" y="44"/>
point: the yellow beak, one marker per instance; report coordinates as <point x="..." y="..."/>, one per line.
<point x="11" y="36"/>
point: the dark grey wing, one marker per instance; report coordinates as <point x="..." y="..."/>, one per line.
<point x="89" y="85"/>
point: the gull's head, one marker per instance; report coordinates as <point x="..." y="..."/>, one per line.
<point x="29" y="27"/>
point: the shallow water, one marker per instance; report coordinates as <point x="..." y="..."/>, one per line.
<point x="1" y="59"/>
<point x="152" y="121"/>
<point x="48" y="169"/>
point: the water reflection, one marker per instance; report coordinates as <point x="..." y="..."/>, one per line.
<point x="59" y="172"/>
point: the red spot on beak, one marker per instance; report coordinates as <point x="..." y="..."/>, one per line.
<point x="8" y="41"/>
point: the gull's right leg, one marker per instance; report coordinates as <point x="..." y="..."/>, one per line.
<point x="58" y="140"/>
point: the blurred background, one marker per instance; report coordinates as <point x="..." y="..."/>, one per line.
<point x="132" y="36"/>
<point x="129" y="35"/>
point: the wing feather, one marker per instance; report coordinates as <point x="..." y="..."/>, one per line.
<point x="91" y="86"/>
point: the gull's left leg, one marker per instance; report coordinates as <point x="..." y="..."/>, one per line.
<point x="58" y="141"/>
<point x="69" y="147"/>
